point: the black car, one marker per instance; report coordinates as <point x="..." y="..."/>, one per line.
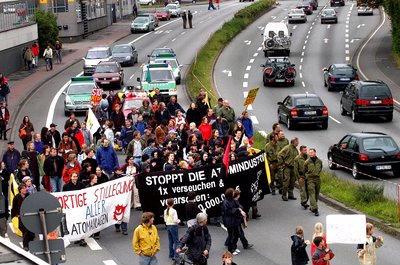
<point x="339" y="76"/>
<point x="367" y="98"/>
<point x="337" y="3"/>
<point x="125" y="54"/>
<point x="278" y="70"/>
<point x="365" y="153"/>
<point x="306" y="5"/>
<point x="303" y="109"/>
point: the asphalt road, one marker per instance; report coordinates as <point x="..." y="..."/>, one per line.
<point x="314" y="46"/>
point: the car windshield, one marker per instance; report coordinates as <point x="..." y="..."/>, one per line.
<point x="379" y="144"/>
<point x="161" y="51"/>
<point x="97" y="54"/>
<point x="329" y="12"/>
<point x="103" y="68"/>
<point x="375" y="91"/>
<point x="76" y="89"/>
<point x="161" y="75"/>
<point x="172" y="63"/>
<point x="309" y="101"/>
<point x="141" y="20"/>
<point x="296" y="11"/>
<point x="134" y="103"/>
<point x="343" y="71"/>
<point x="168" y="7"/>
<point x="121" y="49"/>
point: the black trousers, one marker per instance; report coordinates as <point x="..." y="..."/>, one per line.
<point x="233" y="236"/>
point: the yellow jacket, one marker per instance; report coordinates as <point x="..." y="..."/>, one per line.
<point x="145" y="240"/>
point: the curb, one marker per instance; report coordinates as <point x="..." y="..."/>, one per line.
<point x="377" y="222"/>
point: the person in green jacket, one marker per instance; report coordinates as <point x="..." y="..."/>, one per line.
<point x="298" y="170"/>
<point x="286" y="158"/>
<point x="312" y="172"/>
<point x="271" y="151"/>
<point x="282" y="140"/>
<point x="228" y="113"/>
<point x="276" y="128"/>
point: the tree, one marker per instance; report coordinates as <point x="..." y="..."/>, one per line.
<point x="392" y="8"/>
<point x="47" y="28"/>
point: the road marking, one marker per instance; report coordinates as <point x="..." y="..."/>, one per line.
<point x="245" y="84"/>
<point x="158" y="32"/>
<point x="53" y="103"/>
<point x="255" y="54"/>
<point x="347" y="58"/>
<point x="202" y="21"/>
<point x="307" y="36"/>
<point x="249" y="107"/>
<point x="313" y="23"/>
<point x="246" y="76"/>
<point x="335" y="120"/>
<point x="353" y="40"/>
<point x="302" y="53"/>
<point x="248" y="68"/>
<point x="305" y="42"/>
<point x="248" y="42"/>
<point x="285" y="18"/>
<point x="21" y="244"/>
<point x="109" y="262"/>
<point x="303" y="84"/>
<point x="347" y="52"/>
<point x="346" y="40"/>
<point x="251" y="61"/>
<point x="347" y="30"/>
<point x="347" y="46"/>
<point x="294" y="27"/>
<point x="304" y="47"/>
<point x="326" y="40"/>
<point x="259" y="49"/>
<point x="301" y="75"/>
<point x="168" y="31"/>
<point x="245" y="93"/>
<point x="254" y="120"/>
<point x="174" y="39"/>
<point x="300" y="67"/>
<point x="395" y="101"/>
<point x="346" y="35"/>
<point x="273" y="17"/>
<point x="229" y="72"/>
<point x="92" y="244"/>
<point x="311" y="27"/>
<point x="328" y="27"/>
<point x="301" y="59"/>
<point x="131" y="76"/>
<point x="309" y="32"/>
<point x="183" y="32"/>
<point x="347" y="22"/>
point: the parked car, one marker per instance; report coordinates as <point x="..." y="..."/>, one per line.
<point x="174" y="10"/>
<point x="141" y="24"/>
<point x="365" y="10"/>
<point x="303" y="109"/>
<point x="366" y="153"/>
<point x="109" y="75"/>
<point x="367" y="99"/>
<point x="156" y="52"/>
<point x="338" y="76"/>
<point x="297" y="15"/>
<point x="78" y="95"/>
<point x="125" y="54"/>
<point x="163" y="14"/>
<point x="147" y="2"/>
<point x="276" y="39"/>
<point x="306" y="5"/>
<point x="278" y="70"/>
<point x="93" y="57"/>
<point x="337" y="3"/>
<point x="329" y="15"/>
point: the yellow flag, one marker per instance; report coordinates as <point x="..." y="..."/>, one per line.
<point x="12" y="189"/>
<point x="267" y="171"/>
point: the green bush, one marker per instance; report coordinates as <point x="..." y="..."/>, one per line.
<point x="369" y="193"/>
<point x="47" y="28"/>
<point x="392" y="7"/>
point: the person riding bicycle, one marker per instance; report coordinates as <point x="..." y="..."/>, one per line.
<point x="48" y="56"/>
<point x="197" y="240"/>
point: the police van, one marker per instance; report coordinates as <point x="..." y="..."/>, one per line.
<point x="158" y="75"/>
<point x="171" y="60"/>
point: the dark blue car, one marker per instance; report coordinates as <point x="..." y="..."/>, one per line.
<point x="338" y="76"/>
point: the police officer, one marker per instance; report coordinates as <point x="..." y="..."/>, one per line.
<point x="298" y="169"/>
<point x="286" y="158"/>
<point x="312" y="172"/>
<point x="271" y="151"/>
<point x="190" y="18"/>
<point x="184" y="19"/>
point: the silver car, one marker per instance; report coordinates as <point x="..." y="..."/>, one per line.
<point x="365" y="10"/>
<point x="174" y="10"/>
<point x="297" y="15"/>
<point x="329" y="15"/>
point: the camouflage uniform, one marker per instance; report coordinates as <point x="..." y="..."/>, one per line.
<point x="298" y="170"/>
<point x="286" y="161"/>
<point x="271" y="151"/>
<point x="312" y="171"/>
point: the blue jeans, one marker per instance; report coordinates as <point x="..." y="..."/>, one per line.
<point x="56" y="184"/>
<point x="173" y="239"/>
<point x="144" y="260"/>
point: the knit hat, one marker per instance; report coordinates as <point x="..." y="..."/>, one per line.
<point x="201" y="217"/>
<point x="26" y="179"/>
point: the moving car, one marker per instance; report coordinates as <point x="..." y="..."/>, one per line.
<point x="339" y="76"/>
<point x="142" y="24"/>
<point x="147" y="2"/>
<point x="163" y="14"/>
<point x="158" y="76"/>
<point x="276" y="39"/>
<point x="303" y="109"/>
<point x="156" y="52"/>
<point x="151" y="16"/>
<point x="337" y="3"/>
<point x="174" y="9"/>
<point x="125" y="54"/>
<point x="171" y="60"/>
<point x="297" y="15"/>
<point x="278" y="70"/>
<point x="329" y="15"/>
<point x="78" y="94"/>
<point x="363" y="153"/>
<point x="365" y="10"/>
<point x="109" y="75"/>
<point x="367" y="99"/>
<point x="95" y="56"/>
<point x="306" y="6"/>
<point x="133" y="100"/>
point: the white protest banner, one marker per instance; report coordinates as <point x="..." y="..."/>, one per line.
<point x="92" y="123"/>
<point x="93" y="209"/>
<point x="346" y="229"/>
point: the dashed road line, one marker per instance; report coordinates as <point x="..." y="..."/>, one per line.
<point x="255" y="54"/>
<point x="305" y="42"/>
<point x="109" y="262"/>
<point x="245" y="93"/>
<point x="248" y="68"/>
<point x="251" y="61"/>
<point x="304" y="47"/>
<point x="183" y="32"/>
<point x="347" y="58"/>
<point x="92" y="244"/>
<point x="259" y="48"/>
<point x="131" y="76"/>
<point x="246" y="76"/>
<point x="303" y="84"/>
<point x="335" y="120"/>
<point x="302" y="53"/>
<point x="300" y="67"/>
<point x="245" y="84"/>
<point x="300" y="75"/>
<point x="347" y="52"/>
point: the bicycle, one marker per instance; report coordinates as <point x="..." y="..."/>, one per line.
<point x="49" y="65"/>
<point x="182" y="258"/>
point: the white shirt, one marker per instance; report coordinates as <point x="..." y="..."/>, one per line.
<point x="172" y="217"/>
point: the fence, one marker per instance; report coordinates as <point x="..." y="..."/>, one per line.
<point x="15" y="14"/>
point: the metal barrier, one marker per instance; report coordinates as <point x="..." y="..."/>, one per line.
<point x="16" y="14"/>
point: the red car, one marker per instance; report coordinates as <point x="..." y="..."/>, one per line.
<point x="109" y="75"/>
<point x="163" y="15"/>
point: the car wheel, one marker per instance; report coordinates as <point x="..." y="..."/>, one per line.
<point x="355" y="172"/>
<point x="331" y="164"/>
<point x="389" y="117"/>
<point x="290" y="124"/>
<point x="324" y="125"/>
<point x="354" y="116"/>
<point x="343" y="112"/>
<point x="265" y="53"/>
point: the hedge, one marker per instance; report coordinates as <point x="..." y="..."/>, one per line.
<point x="392" y="8"/>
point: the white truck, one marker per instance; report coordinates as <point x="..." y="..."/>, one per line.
<point x="276" y="39"/>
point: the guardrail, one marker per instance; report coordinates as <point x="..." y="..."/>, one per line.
<point x="16" y="14"/>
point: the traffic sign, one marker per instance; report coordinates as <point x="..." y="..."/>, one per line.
<point x="251" y="96"/>
<point x="96" y="96"/>
<point x="56" y="250"/>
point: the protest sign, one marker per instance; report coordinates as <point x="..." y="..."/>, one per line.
<point x="346" y="229"/>
<point x="156" y="187"/>
<point x="93" y="209"/>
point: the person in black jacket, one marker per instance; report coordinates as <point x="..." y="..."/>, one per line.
<point x="11" y="157"/>
<point x="191" y="209"/>
<point x="298" y="249"/>
<point x="54" y="135"/>
<point x="4" y="178"/>
<point x="53" y="167"/>
<point x="73" y="184"/>
<point x="198" y="241"/>
<point x="90" y="159"/>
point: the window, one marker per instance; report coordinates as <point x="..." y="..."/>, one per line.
<point x="59" y="6"/>
<point x="94" y="9"/>
<point x="16" y="14"/>
<point x="352" y="143"/>
<point x="379" y="144"/>
<point x="281" y="34"/>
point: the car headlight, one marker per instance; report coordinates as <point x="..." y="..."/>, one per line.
<point x="128" y="57"/>
<point x="115" y="78"/>
<point x="68" y="100"/>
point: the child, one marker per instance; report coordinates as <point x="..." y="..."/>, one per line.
<point x="227" y="258"/>
<point x="172" y="221"/>
<point x="298" y="249"/>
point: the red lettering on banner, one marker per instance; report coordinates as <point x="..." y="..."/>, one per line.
<point x="73" y="201"/>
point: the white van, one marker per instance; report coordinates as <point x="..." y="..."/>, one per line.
<point x="276" y="39"/>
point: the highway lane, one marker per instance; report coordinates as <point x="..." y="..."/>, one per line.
<point x="314" y="46"/>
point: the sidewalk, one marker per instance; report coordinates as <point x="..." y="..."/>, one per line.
<point x="25" y="83"/>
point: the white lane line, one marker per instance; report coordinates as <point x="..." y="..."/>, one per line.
<point x="259" y="49"/>
<point x="245" y="84"/>
<point x="303" y="84"/>
<point x="300" y="67"/>
<point x="248" y="68"/>
<point x="328" y="27"/>
<point x="346" y="35"/>
<point x="53" y="103"/>
<point x="131" y="76"/>
<point x="347" y="58"/>
<point x="254" y="120"/>
<point x="301" y="59"/>
<point x="304" y="47"/>
<point x="158" y="32"/>
<point x="311" y="27"/>
<point x="309" y="32"/>
<point x="183" y="32"/>
<point x="302" y="53"/>
<point x="92" y="244"/>
<point x="245" y="93"/>
<point x="313" y="23"/>
<point x="174" y="39"/>
<point x="255" y="54"/>
<point x="246" y="76"/>
<point x="202" y="21"/>
<point x="347" y="30"/>
<point x="347" y="22"/>
<point x="273" y="17"/>
<point x="301" y="75"/>
<point x="305" y="42"/>
<point x="250" y="107"/>
<point x="347" y="26"/>
<point x="346" y="40"/>
<point x="251" y="61"/>
<point x="347" y="52"/>
<point x="294" y="27"/>
<point x="307" y="36"/>
<point x="347" y="46"/>
<point x="395" y="101"/>
<point x="109" y="262"/>
<point x="335" y="120"/>
<point x="248" y="42"/>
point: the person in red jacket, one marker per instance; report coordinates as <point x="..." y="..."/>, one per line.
<point x="4" y="118"/>
<point x="70" y="167"/>
<point x="322" y="255"/>
<point x="206" y="129"/>
<point x="35" y="52"/>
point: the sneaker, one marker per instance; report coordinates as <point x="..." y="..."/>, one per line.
<point x="235" y="253"/>
<point x="316" y="213"/>
<point x="125" y="233"/>
<point x="237" y="250"/>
